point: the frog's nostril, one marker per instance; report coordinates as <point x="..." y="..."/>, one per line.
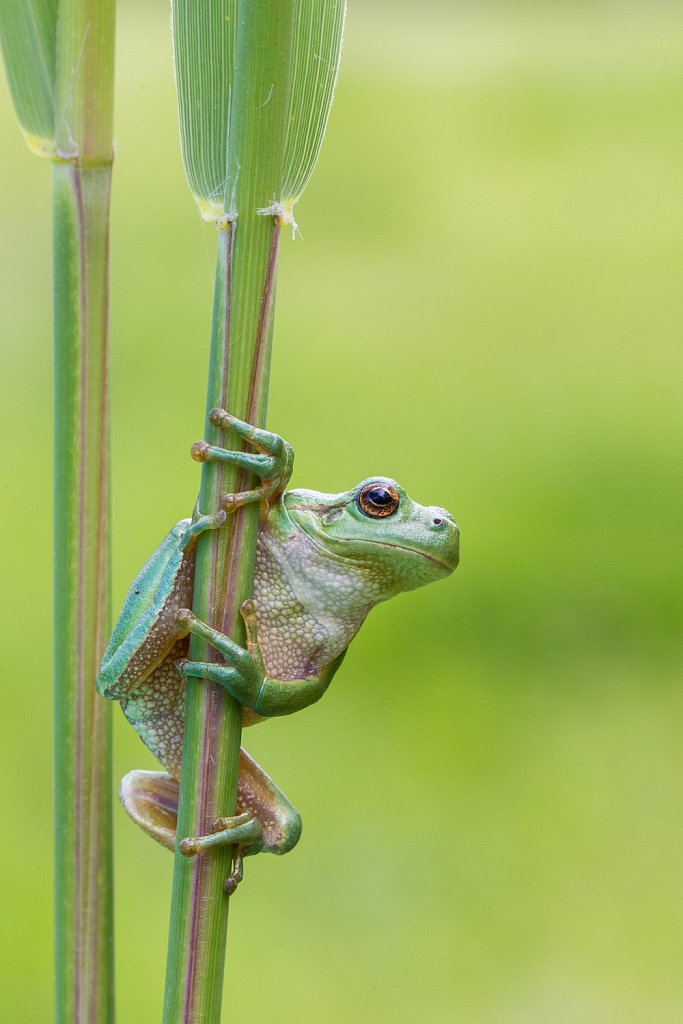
<point x="440" y="517"/>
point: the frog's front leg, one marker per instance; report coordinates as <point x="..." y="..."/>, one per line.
<point x="272" y="463"/>
<point x="244" y="675"/>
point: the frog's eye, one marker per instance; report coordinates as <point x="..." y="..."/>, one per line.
<point x="378" y="501"/>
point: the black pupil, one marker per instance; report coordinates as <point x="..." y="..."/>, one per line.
<point x="379" y="496"/>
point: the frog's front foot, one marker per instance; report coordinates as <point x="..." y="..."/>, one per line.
<point x="242" y="675"/>
<point x="272" y="463"/>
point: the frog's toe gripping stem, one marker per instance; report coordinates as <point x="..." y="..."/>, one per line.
<point x="237" y="874"/>
<point x="234" y="879"/>
<point x="248" y="613"/>
<point x="242" y="676"/>
<point x="202" y="523"/>
<point x="262" y="440"/>
<point x="272" y="463"/>
<point x="242" y="829"/>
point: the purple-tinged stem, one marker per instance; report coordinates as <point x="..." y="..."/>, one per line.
<point x="83" y="834"/>
<point x="84" y="85"/>
<point x="239" y="366"/>
<point x="213" y="720"/>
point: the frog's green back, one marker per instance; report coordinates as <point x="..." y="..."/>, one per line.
<point x="144" y="630"/>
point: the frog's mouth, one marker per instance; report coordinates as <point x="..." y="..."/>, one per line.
<point x="446" y="566"/>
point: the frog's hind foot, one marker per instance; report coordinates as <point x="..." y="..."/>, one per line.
<point x="272" y="463"/>
<point x="266" y="820"/>
<point x="244" y="829"/>
<point x="151" y="799"/>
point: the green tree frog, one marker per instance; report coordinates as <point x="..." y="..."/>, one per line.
<point x="322" y="562"/>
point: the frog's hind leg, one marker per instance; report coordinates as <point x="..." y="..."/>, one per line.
<point x="151" y="799"/>
<point x="259" y="803"/>
<point x="264" y="820"/>
<point x="279" y="818"/>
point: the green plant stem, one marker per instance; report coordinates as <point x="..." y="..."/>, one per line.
<point x="213" y="720"/>
<point x="238" y="380"/>
<point x="83" y="831"/>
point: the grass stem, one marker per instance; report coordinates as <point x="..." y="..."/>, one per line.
<point x="255" y="82"/>
<point x="83" y="833"/>
<point x="83" y="828"/>
<point x="239" y="366"/>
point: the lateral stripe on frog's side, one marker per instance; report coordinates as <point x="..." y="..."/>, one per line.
<point x="322" y="562"/>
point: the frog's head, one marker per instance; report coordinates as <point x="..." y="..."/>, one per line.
<point x="379" y="531"/>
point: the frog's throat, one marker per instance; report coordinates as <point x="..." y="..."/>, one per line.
<point x="309" y="604"/>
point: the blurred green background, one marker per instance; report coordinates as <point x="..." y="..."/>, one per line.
<point x="487" y="305"/>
